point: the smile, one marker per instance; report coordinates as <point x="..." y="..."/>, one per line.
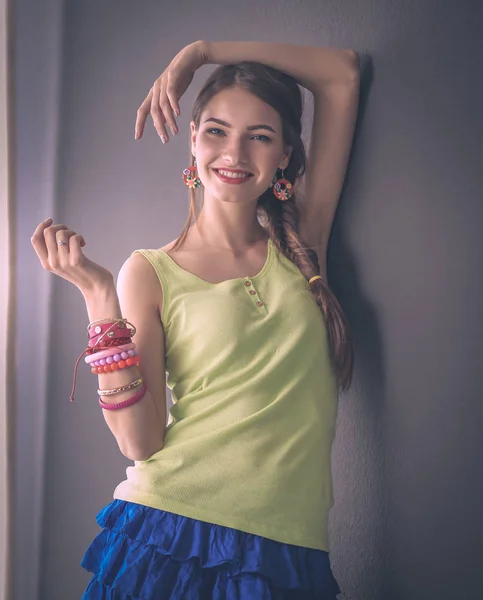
<point x="228" y="177"/>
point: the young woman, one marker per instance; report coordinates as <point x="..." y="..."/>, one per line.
<point x="230" y="500"/>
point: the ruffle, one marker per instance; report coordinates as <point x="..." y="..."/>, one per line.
<point x="149" y="554"/>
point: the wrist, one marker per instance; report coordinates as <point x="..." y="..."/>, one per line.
<point x="202" y="48"/>
<point x="104" y="290"/>
<point x="103" y="303"/>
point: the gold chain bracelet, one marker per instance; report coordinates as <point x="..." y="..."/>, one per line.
<point x="120" y="389"/>
<point x="101" y="321"/>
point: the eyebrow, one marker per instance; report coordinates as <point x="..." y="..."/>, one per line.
<point x="251" y="128"/>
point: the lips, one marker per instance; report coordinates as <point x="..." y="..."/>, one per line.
<point x="234" y="172"/>
<point x="234" y="180"/>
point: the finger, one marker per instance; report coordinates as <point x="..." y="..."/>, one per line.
<point x="66" y="236"/>
<point x="61" y="259"/>
<point x="38" y="241"/>
<point x="76" y="256"/>
<point x="142" y="114"/>
<point x="51" y="244"/>
<point x="171" y="106"/>
<point x="63" y="235"/>
<point x="158" y="118"/>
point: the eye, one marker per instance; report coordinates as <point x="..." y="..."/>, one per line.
<point x="216" y="129"/>
<point x="213" y="129"/>
<point x="265" y="138"/>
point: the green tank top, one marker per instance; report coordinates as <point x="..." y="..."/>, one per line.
<point x="249" y="436"/>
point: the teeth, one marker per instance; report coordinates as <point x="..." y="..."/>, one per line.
<point x="233" y="175"/>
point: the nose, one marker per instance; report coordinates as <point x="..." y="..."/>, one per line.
<point x="235" y="152"/>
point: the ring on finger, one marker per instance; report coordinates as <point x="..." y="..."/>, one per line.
<point x="62" y="243"/>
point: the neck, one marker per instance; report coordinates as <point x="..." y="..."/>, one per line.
<point x="237" y="241"/>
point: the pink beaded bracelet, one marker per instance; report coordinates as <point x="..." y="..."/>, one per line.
<point x="132" y="400"/>
<point x="109" y="352"/>
<point x="122" y="364"/>
<point x="118" y="356"/>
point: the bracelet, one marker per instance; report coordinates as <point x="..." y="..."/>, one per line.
<point x="94" y="346"/>
<point x="112" y="329"/>
<point x="112" y="358"/>
<point x="109" y="343"/>
<point x="118" y="334"/>
<point x="132" y="400"/>
<point x="113" y="320"/>
<point x="120" y="389"/>
<point x="109" y="352"/>
<point x="104" y="324"/>
<point x="122" y="364"/>
<point x="118" y="356"/>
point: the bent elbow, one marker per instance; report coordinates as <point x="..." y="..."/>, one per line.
<point x="141" y="454"/>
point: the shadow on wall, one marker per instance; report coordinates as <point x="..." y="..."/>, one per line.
<point x="359" y="529"/>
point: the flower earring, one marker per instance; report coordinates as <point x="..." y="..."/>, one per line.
<point x="190" y="176"/>
<point x="282" y="188"/>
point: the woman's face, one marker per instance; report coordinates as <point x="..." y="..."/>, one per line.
<point x="233" y="144"/>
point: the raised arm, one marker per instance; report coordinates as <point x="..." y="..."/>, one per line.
<point x="311" y="66"/>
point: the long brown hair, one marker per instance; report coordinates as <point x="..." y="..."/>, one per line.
<point x="281" y="91"/>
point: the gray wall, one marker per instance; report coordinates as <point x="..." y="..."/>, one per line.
<point x="402" y="260"/>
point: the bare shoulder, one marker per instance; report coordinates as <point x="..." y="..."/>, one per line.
<point x="143" y="277"/>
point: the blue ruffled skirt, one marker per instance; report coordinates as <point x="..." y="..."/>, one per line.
<point x="149" y="554"/>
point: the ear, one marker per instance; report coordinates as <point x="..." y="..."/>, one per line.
<point x="286" y="158"/>
<point x="194" y="135"/>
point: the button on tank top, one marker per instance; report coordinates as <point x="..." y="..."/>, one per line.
<point x="249" y="436"/>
